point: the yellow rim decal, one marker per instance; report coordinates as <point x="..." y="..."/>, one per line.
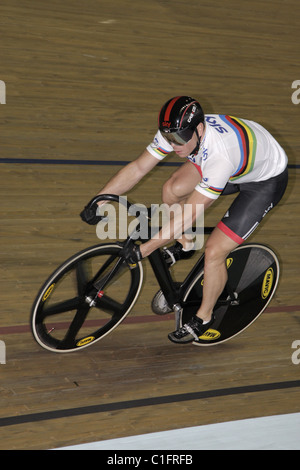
<point x="267" y="283"/>
<point x="85" y="341"/>
<point x="48" y="292"/>
<point x="210" y="335"/>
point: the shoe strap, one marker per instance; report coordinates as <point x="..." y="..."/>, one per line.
<point x="191" y="331"/>
<point x="170" y="254"/>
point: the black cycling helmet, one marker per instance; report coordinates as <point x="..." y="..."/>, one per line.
<point x="179" y="118"/>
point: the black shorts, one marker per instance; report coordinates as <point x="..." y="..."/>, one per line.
<point x="251" y="205"/>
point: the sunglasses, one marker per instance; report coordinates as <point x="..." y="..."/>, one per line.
<point x="179" y="137"/>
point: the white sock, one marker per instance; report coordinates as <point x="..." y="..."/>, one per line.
<point x="189" y="248"/>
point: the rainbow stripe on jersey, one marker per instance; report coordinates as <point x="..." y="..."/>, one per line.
<point x="209" y="189"/>
<point x="247" y="144"/>
<point x="161" y="152"/>
<point x="214" y="191"/>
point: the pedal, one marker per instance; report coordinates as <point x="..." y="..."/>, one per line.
<point x="235" y="300"/>
<point x="231" y="299"/>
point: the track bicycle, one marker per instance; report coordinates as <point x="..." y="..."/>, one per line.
<point x="93" y="291"/>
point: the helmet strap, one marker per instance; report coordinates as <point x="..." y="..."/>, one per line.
<point x="196" y="149"/>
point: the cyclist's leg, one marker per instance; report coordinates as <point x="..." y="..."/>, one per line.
<point x="254" y="201"/>
<point x="217" y="248"/>
<point x="179" y="187"/>
<point x="181" y="184"/>
<point x="252" y="204"/>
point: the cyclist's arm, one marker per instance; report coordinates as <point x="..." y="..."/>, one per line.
<point x="130" y="174"/>
<point x="182" y="221"/>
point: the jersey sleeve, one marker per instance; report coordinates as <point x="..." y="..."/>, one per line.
<point x="159" y="147"/>
<point x="215" y="177"/>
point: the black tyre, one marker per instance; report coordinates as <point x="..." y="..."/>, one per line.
<point x="86" y="298"/>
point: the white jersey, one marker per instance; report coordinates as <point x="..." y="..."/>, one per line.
<point x="233" y="150"/>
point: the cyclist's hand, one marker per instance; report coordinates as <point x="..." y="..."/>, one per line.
<point x="131" y="254"/>
<point x="89" y="215"/>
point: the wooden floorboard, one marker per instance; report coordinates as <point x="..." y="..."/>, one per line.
<point x="84" y="84"/>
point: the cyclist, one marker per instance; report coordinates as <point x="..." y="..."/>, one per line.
<point x="224" y="155"/>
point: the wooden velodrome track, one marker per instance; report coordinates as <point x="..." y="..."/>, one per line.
<point x="84" y="83"/>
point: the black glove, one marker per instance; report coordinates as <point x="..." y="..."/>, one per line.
<point x="89" y="216"/>
<point x="131" y="254"/>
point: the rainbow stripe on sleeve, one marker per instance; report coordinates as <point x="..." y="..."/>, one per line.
<point x="247" y="145"/>
<point x="214" y="191"/>
<point x="160" y="151"/>
<point x="210" y="189"/>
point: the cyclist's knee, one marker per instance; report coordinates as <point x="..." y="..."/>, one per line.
<point x="213" y="253"/>
<point x="216" y="252"/>
<point x="173" y="191"/>
<point x="169" y="192"/>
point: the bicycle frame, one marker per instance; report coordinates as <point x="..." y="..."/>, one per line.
<point x="171" y="291"/>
